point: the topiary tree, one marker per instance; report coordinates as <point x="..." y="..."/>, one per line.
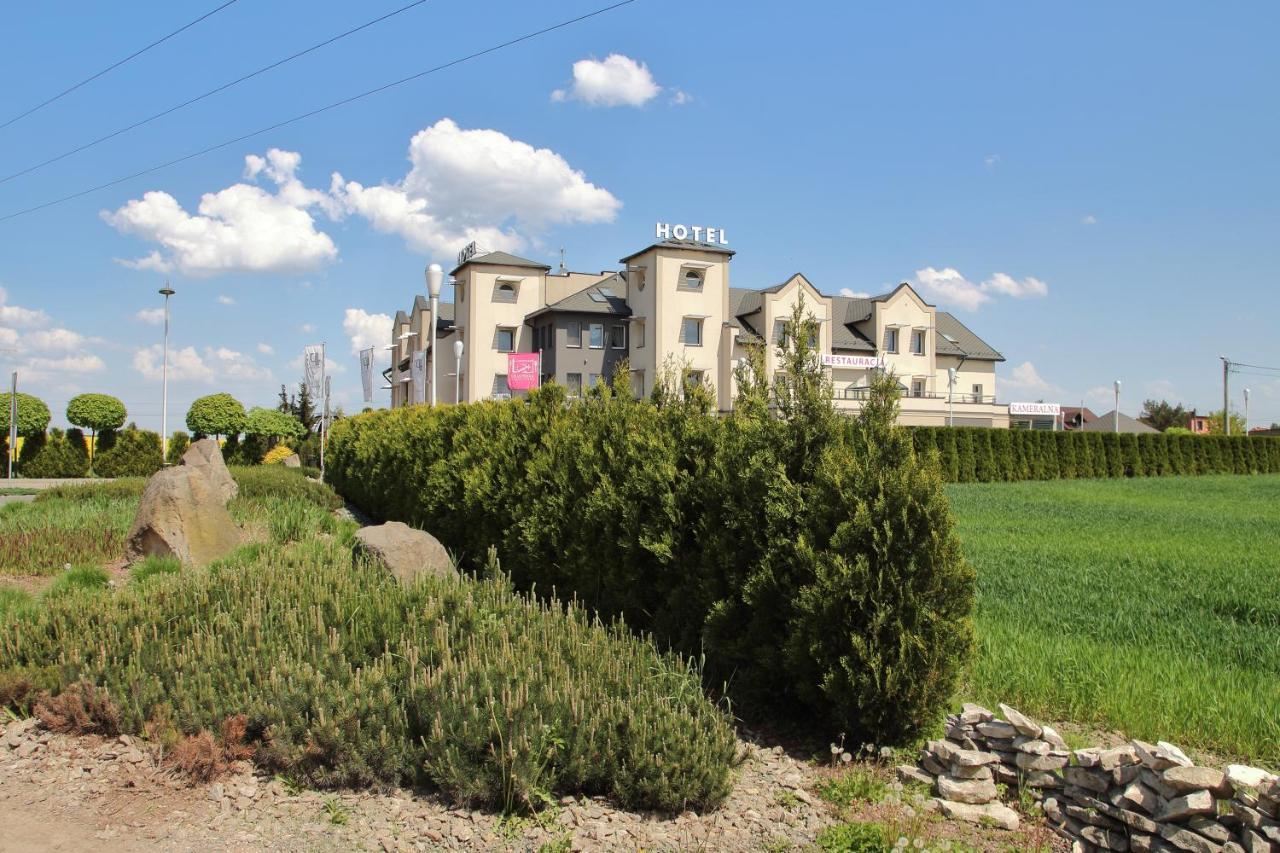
<point x="33" y="414"/>
<point x="216" y="415"/>
<point x="273" y="424"/>
<point x="97" y="413"/>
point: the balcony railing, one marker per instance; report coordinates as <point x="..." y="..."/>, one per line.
<point x="958" y="398"/>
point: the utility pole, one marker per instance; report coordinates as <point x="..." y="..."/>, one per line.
<point x="1115" y="420"/>
<point x="1226" y="408"/>
<point x="13" y="423"/>
<point x="166" y="292"/>
<point x="1246" y="411"/>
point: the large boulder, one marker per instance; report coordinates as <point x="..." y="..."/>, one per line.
<point x="206" y="457"/>
<point x="404" y="551"/>
<point x="183" y="514"/>
<point x="293" y="460"/>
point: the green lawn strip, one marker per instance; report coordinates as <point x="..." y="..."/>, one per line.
<point x="1147" y="606"/>
<point x="81" y="528"/>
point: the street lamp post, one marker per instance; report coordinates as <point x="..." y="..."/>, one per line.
<point x="166" y="292"/>
<point x="951" y="388"/>
<point x="1115" y="420"/>
<point x="435" y="276"/>
<point x="457" y="358"/>
<point x="1246" y="411"/>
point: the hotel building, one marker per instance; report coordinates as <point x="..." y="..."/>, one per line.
<point x="672" y="303"/>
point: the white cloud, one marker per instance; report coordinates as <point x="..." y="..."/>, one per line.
<point x="216" y="363"/>
<point x="366" y="330"/>
<point x="330" y="366"/>
<point x="853" y="294"/>
<point x="306" y="328"/>
<point x="14" y="315"/>
<point x="476" y="185"/>
<point x="242" y="228"/>
<point x="617" y="81"/>
<point x="150" y="316"/>
<point x="680" y="97"/>
<point x="54" y="339"/>
<point x="1089" y="220"/>
<point x="266" y="349"/>
<point x="1026" y="382"/>
<point x="991" y="161"/>
<point x="948" y="287"/>
<point x="67" y="364"/>
<point x="223" y="299"/>
<point x="1163" y="389"/>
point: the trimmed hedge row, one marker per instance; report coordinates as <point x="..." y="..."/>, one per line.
<point x="977" y="454"/>
<point x="813" y="566"/>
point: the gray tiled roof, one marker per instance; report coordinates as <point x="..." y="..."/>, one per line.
<point x="401" y="319"/>
<point x="1106" y="423"/>
<point x="501" y="259"/>
<point x="592" y="300"/>
<point x="681" y="244"/>
<point x="967" y="343"/>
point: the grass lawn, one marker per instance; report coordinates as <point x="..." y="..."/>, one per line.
<point x="77" y="525"/>
<point x="1151" y="606"/>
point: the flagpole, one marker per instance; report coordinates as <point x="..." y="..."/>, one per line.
<point x="324" y="413"/>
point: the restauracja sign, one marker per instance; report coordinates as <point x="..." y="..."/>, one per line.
<point x="832" y="360"/>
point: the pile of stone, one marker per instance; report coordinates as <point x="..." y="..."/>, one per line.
<point x="1137" y="796"/>
<point x="183" y="511"/>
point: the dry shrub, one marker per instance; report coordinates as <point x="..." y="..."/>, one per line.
<point x="202" y="758"/>
<point x="81" y="709"/>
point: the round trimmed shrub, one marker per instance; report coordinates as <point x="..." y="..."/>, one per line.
<point x="33" y="414"/>
<point x="217" y="415"/>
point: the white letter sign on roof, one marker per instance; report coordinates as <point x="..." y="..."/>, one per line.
<point x="667" y="231"/>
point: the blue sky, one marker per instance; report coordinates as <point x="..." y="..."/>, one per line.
<point x="1092" y="189"/>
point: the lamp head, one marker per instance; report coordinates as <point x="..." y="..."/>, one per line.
<point x="1117" y="386"/>
<point x="166" y="290"/>
<point x="435" y="277"/>
<point x="457" y="349"/>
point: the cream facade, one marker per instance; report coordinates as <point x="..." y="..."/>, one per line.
<point x="672" y="307"/>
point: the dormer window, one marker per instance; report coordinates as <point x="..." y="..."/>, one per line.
<point x="691" y="279"/>
<point x="505" y="291"/>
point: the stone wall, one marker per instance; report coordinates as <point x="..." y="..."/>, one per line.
<point x="1137" y="796"/>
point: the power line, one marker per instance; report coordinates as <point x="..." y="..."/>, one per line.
<point x="318" y="111"/>
<point x="263" y="70"/>
<point x="109" y="68"/>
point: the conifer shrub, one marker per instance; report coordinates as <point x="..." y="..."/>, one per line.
<point x="178" y="444"/>
<point x="133" y="453"/>
<point x="331" y="671"/>
<point x="56" y="454"/>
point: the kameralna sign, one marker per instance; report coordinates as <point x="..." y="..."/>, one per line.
<point x="700" y="233"/>
<point x="1035" y="409"/>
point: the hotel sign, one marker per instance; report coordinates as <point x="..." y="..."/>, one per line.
<point x="700" y="233"/>
<point x="1035" y="409"/>
<point x="864" y="361"/>
<point x="468" y="252"/>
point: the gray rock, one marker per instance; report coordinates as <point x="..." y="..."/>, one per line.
<point x="1185" y="839"/>
<point x="1023" y="724"/>
<point x="973" y="758"/>
<point x="1032" y="746"/>
<point x="1042" y="779"/>
<point x="932" y="764"/>
<point x="1052" y="761"/>
<point x="1144" y="798"/>
<point x="1156" y="782"/>
<point x="1091" y="816"/>
<point x="1049" y="734"/>
<point x="1131" y="819"/>
<point x="1244" y="776"/>
<point x="1210" y="829"/>
<point x="1106" y="839"/>
<point x="997" y="729"/>
<point x="908" y="773"/>
<point x="997" y="814"/>
<point x="971" y="714"/>
<point x="981" y="771"/>
<point x="1181" y="808"/>
<point x="1253" y="842"/>
<point x="1162" y="756"/>
<point x="182" y="514"/>
<point x="406" y="552"/>
<point x="205" y="456"/>
<point x="1121" y="756"/>
<point x="1187" y="779"/>
<point x="1143" y="843"/>
<point x="975" y="791"/>
<point x="1084" y="777"/>
<point x="942" y="750"/>
<point x="1087" y="757"/>
<point x="293" y="460"/>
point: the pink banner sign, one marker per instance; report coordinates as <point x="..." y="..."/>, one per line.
<point x="522" y="370"/>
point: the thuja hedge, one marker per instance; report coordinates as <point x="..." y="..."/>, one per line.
<point x="974" y="454"/>
<point x="814" y="567"/>
<point x="348" y="679"/>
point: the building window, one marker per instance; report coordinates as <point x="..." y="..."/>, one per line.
<point x="597" y="336"/>
<point x="779" y="332"/>
<point x="890" y="340"/>
<point x="638" y="335"/>
<point x="691" y="331"/>
<point x="573" y="384"/>
<point x="593" y="379"/>
<point x="504" y="291"/>
<point x="691" y="280"/>
<point x="573" y="334"/>
<point x="501" y="390"/>
<point x="917" y="387"/>
<point x="977" y="393"/>
<point x="693" y="379"/>
<point x="917" y="342"/>
<point x="506" y="340"/>
<point x="637" y="384"/>
<point x="618" y="336"/>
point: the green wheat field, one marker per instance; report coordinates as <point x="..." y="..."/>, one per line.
<point x="1147" y="606"/>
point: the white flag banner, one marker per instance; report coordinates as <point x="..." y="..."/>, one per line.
<point x="313" y="370"/>
<point x="418" y="372"/>
<point x="366" y="373"/>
